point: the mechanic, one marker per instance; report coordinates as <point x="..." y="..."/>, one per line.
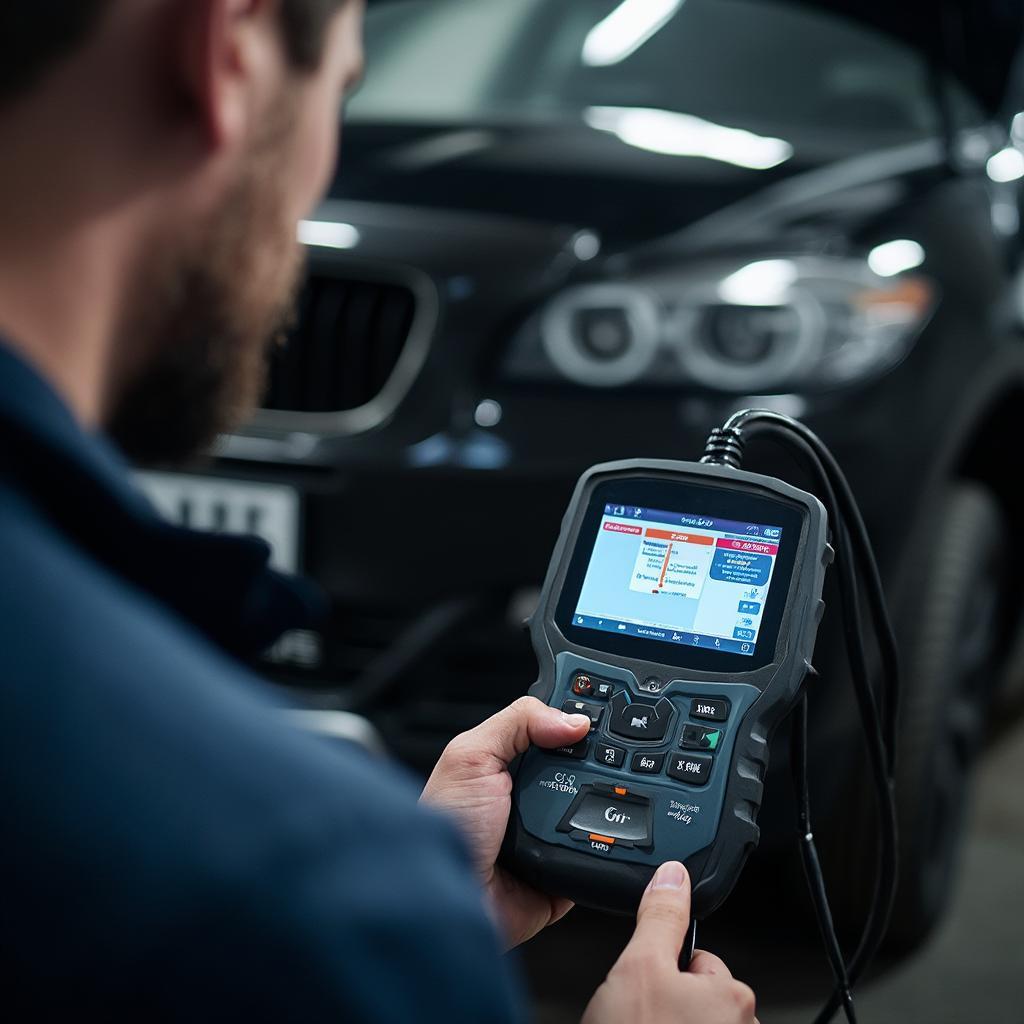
<point x="173" y="850"/>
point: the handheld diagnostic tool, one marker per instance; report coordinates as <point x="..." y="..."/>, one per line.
<point x="679" y="613"/>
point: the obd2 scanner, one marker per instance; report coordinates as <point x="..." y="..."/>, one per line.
<point x="679" y="613"/>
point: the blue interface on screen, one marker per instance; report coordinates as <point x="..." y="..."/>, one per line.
<point x="679" y="578"/>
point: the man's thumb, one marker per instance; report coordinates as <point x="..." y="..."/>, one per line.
<point x="664" y="914"/>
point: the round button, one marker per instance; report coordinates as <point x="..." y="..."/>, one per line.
<point x="582" y="686"/>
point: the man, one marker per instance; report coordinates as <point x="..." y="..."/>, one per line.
<point x="172" y="850"/>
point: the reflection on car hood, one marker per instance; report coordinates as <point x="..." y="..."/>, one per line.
<point x="978" y="40"/>
<point x="561" y="173"/>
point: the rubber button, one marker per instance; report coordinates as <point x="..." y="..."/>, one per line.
<point x="577" y="751"/>
<point x="639" y="720"/>
<point x="694" y="769"/>
<point x="711" y="709"/>
<point x="700" y="737"/>
<point x="580" y="707"/>
<point x="582" y="686"/>
<point x="605" y="753"/>
<point x="647" y="764"/>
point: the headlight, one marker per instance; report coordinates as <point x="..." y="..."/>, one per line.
<point x="602" y="334"/>
<point x="779" y="324"/>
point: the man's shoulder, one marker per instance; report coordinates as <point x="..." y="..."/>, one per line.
<point x="92" y="654"/>
<point x="96" y="661"/>
<point x="52" y="587"/>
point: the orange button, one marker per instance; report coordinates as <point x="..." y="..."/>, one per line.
<point x="602" y="839"/>
<point x="621" y="790"/>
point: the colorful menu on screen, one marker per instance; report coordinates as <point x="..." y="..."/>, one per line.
<point x="679" y="578"/>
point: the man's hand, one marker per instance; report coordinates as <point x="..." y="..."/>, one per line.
<point x="646" y="986"/>
<point x="471" y="781"/>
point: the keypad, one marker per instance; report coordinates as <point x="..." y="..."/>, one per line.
<point x="646" y="720"/>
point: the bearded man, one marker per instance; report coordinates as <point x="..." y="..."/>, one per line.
<point x="172" y="849"/>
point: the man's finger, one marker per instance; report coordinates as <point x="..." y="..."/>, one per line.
<point x="507" y="734"/>
<point x="664" y="915"/>
<point x="704" y="962"/>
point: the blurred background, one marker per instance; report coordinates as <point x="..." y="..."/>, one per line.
<point x="568" y="232"/>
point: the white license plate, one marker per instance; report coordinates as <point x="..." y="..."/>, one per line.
<point x="270" y="511"/>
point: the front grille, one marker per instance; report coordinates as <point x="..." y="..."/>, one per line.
<point x="348" y="337"/>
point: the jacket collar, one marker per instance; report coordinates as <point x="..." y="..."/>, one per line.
<point x="221" y="584"/>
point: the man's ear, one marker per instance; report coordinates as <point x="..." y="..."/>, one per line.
<point x="225" y="53"/>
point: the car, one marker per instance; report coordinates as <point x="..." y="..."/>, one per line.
<point x="568" y="233"/>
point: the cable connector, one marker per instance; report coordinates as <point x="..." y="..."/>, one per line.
<point x="724" y="447"/>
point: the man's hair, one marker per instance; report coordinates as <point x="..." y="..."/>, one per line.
<point x="35" y="35"/>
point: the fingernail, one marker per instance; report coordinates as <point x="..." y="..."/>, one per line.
<point x="670" y="875"/>
<point x="575" y="720"/>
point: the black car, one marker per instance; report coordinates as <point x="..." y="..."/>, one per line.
<point x="564" y="233"/>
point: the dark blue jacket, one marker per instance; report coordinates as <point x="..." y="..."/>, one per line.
<point x="170" y="849"/>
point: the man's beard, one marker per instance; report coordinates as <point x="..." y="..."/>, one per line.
<point x="218" y="306"/>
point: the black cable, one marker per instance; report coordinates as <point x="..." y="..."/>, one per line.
<point x="880" y="737"/>
<point x="858" y="665"/>
<point x="811" y="864"/>
<point x="853" y="550"/>
<point x="843" y="511"/>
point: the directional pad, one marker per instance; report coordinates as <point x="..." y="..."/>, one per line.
<point x="637" y="720"/>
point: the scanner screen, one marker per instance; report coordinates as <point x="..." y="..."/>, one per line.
<point x="679" y="577"/>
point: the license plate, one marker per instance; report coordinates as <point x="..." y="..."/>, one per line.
<point x="270" y="511"/>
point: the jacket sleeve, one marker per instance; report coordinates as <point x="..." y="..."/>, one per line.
<point x="387" y="928"/>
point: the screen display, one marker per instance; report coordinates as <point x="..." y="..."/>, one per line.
<point x="679" y="577"/>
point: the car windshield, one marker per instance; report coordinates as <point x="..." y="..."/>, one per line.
<point x="777" y="69"/>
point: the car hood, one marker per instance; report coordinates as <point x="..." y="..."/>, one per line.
<point x="564" y="173"/>
<point x="585" y="175"/>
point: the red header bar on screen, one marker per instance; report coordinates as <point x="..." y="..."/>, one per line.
<point x="623" y="528"/>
